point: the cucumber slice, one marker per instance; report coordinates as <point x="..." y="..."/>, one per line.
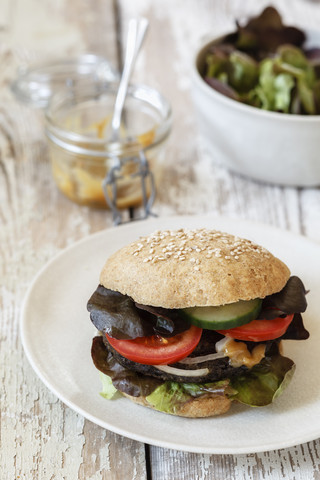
<point x="225" y="316"/>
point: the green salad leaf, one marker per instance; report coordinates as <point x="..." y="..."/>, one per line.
<point x="108" y="390"/>
<point x="243" y="72"/>
<point x="264" y="382"/>
<point x="170" y="396"/>
<point x="273" y="91"/>
<point x="264" y="64"/>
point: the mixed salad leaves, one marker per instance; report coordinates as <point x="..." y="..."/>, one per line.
<point x="266" y="65"/>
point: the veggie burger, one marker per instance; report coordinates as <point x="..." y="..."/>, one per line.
<point x="191" y="320"/>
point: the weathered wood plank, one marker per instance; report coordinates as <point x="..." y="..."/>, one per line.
<point x="40" y="437"/>
<point x="298" y="463"/>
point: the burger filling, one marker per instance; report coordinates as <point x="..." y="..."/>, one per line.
<point x="170" y="356"/>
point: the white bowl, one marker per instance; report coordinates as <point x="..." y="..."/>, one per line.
<point x="267" y="146"/>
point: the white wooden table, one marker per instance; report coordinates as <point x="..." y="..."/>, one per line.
<point x="40" y="437"/>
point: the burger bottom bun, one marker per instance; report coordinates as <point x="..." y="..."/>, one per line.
<point x="208" y="406"/>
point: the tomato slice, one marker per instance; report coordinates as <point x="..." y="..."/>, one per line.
<point x="157" y="350"/>
<point x="260" y="330"/>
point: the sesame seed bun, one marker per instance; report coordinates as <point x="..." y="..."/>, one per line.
<point x="186" y="268"/>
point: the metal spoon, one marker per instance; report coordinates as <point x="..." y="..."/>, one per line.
<point x="136" y="33"/>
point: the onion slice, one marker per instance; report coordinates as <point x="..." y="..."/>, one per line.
<point x="181" y="372"/>
<point x="203" y="358"/>
<point x="220" y="353"/>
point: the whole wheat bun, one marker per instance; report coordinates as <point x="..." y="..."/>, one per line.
<point x="208" y="406"/>
<point x="186" y="268"/>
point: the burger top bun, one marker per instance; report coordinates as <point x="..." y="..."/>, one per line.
<point x="186" y="268"/>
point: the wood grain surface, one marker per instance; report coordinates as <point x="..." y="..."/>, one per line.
<point x="40" y="438"/>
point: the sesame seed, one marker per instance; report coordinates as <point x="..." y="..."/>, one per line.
<point x="185" y="244"/>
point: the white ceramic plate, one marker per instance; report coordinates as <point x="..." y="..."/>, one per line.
<point x="56" y="334"/>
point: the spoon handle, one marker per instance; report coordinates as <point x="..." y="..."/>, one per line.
<point x="136" y="33"/>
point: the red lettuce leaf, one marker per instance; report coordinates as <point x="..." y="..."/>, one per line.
<point x="222" y="87"/>
<point x="296" y="329"/>
<point x="291" y="299"/>
<point x="116" y="314"/>
<point x="169" y="321"/>
<point x="263" y="34"/>
<point x="123" y="379"/>
<point x="119" y="316"/>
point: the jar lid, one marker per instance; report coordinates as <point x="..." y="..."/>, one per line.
<point x="36" y="84"/>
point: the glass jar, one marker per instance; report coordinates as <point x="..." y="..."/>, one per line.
<point x="86" y="166"/>
<point x="35" y="84"/>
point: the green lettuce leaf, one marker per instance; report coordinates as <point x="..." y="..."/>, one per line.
<point x="108" y="390"/>
<point x="274" y="90"/>
<point x="283" y="85"/>
<point x="170" y="396"/>
<point x="264" y="382"/>
<point x="293" y="56"/>
<point x="243" y="72"/>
